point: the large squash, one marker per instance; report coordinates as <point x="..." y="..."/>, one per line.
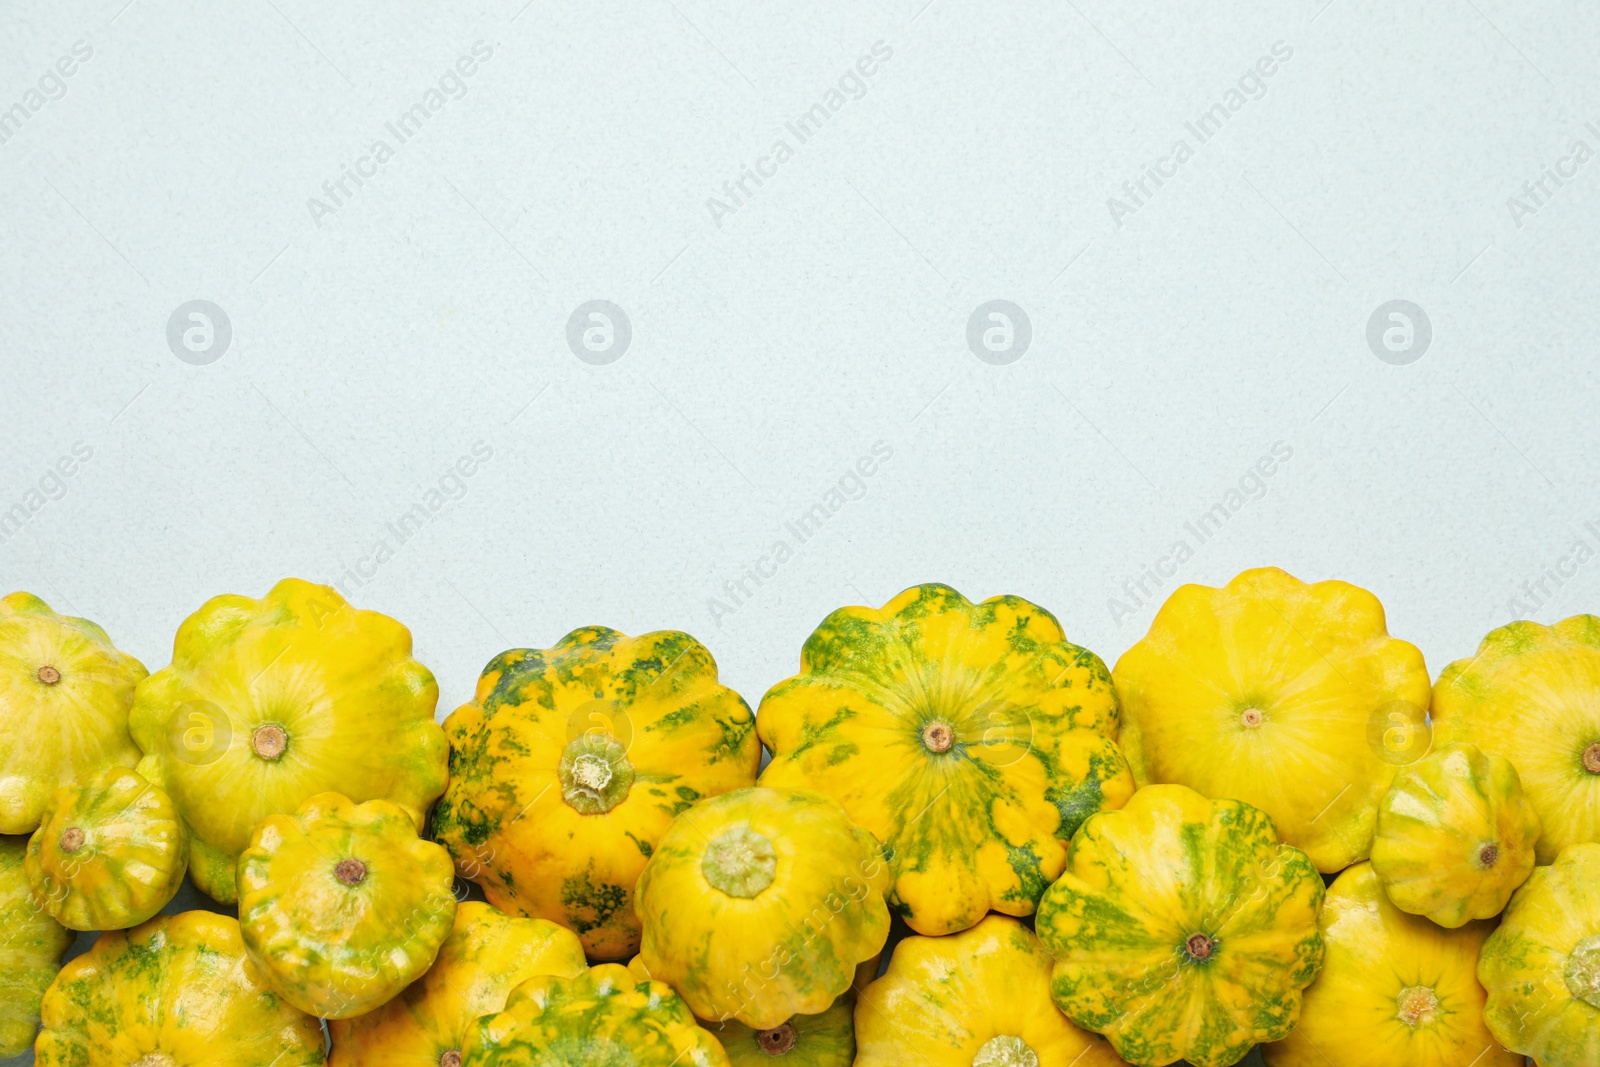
<point x="342" y="905"/>
<point x="1183" y="929"/>
<point x="971" y="739"/>
<point x="178" y="989"/>
<point x="1541" y="967"/>
<point x="1532" y="695"/>
<point x="269" y="702"/>
<point x="65" y="692"/>
<point x="109" y="854"/>
<point x="570" y="763"/>
<point x="487" y="954"/>
<point x="31" y="944"/>
<point x="758" y="905"/>
<point x="1396" y="989"/>
<point x="1456" y="836"/>
<point x="602" y="1016"/>
<point x="978" y="997"/>
<point x="1290" y="697"/>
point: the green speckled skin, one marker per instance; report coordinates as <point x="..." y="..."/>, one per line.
<point x="1141" y="883"/>
<point x="982" y="824"/>
<point x="604" y="1017"/>
<point x="31" y="944"/>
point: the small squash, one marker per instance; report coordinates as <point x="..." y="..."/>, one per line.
<point x="1455" y="837"/>
<point x="178" y="989"/>
<point x="65" y="692"/>
<point x="826" y="1039"/>
<point x="1541" y="967"/>
<point x="570" y="763"/>
<point x="31" y="944"/>
<point x="109" y="854"/>
<point x="1183" y="929"/>
<point x="1532" y="695"/>
<point x="978" y="997"/>
<point x="1396" y="989"/>
<point x="971" y="739"/>
<point x="759" y="904"/>
<point x="268" y="702"/>
<point x="602" y="1016"/>
<point x="342" y="905"/>
<point x="487" y="954"/>
<point x="1288" y="696"/>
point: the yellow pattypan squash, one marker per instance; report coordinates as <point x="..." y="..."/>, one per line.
<point x="31" y="944"/>
<point x="826" y="1039"/>
<point x="1183" y="929"/>
<point x="759" y="904"/>
<point x="178" y="989"/>
<point x="1396" y="989"/>
<point x="342" y="905"/>
<point x="268" y="702"/>
<point x="1288" y="696"/>
<point x="487" y="954"/>
<point x="1456" y="836"/>
<point x="602" y="1016"/>
<point x="971" y="739"/>
<point x="65" y="692"/>
<point x="1541" y="967"/>
<point x="1532" y="695"/>
<point x="570" y="763"/>
<point x="109" y="854"/>
<point x="980" y="997"/>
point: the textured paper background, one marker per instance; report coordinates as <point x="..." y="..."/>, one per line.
<point x="378" y="339"/>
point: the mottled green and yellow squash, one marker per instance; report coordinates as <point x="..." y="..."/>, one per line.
<point x="65" y="692"/>
<point x="971" y="739"/>
<point x="1532" y="695"/>
<point x="570" y="763"/>
<point x="109" y="854"/>
<point x="1183" y="929"/>
<point x="342" y="905"/>
<point x="487" y="954"/>
<point x="269" y="702"/>
<point x="31" y="944"/>
<point x="603" y="1016"/>
<point x="759" y="905"/>
<point x="1541" y="967"/>
<point x="176" y="990"/>
<point x="1395" y="989"/>
<point x="1290" y="697"/>
<point x="978" y="997"/>
<point x="1456" y="836"/>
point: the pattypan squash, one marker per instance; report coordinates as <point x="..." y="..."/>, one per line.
<point x="971" y="739"/>
<point x="65" y="692"/>
<point x="980" y="997"/>
<point x="570" y="763"/>
<point x="1456" y="836"/>
<point x="1183" y="929"/>
<point x="31" y="944"/>
<point x="759" y="904"/>
<point x="1290" y="697"/>
<point x="109" y="854"/>
<point x="342" y="905"/>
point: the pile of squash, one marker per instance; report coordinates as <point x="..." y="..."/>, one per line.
<point x="1264" y="828"/>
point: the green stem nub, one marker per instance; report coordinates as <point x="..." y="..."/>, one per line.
<point x="1005" y="1051"/>
<point x="740" y="862"/>
<point x="1583" y="971"/>
<point x="451" y="1058"/>
<point x="938" y="736"/>
<point x="595" y="773"/>
<point x="1199" y="946"/>
<point x="49" y="675"/>
<point x="269" y="742"/>
<point x="350" y="872"/>
<point x="1591" y="758"/>
<point x="72" y="840"/>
